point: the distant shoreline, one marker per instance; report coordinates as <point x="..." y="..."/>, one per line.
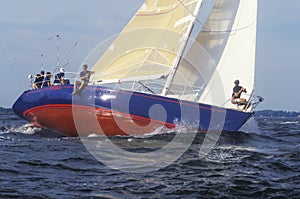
<point x="273" y="113"/>
<point x="5" y="110"/>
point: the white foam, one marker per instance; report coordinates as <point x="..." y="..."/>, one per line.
<point x="294" y="122"/>
<point x="28" y="129"/>
<point x="93" y="135"/>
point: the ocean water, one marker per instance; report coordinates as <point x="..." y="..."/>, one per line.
<point x="260" y="161"/>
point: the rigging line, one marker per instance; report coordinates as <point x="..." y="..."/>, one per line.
<point x="71" y="51"/>
<point x="146" y="87"/>
<point x="233" y="30"/>
<point x="195" y="16"/>
<point x="69" y="54"/>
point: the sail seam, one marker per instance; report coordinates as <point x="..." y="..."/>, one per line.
<point x="229" y="31"/>
<point x="161" y="13"/>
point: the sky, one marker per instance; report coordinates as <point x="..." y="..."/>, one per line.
<point x="28" y="29"/>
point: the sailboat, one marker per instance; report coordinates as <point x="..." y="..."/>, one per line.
<point x="173" y="65"/>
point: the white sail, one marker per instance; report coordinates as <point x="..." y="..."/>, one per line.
<point x="150" y="44"/>
<point x="221" y="54"/>
<point x="237" y="61"/>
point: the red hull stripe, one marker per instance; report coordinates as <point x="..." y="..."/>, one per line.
<point x="70" y="106"/>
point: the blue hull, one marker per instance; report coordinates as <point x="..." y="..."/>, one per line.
<point x="119" y="112"/>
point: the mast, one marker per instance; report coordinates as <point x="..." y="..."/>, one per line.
<point x="179" y="56"/>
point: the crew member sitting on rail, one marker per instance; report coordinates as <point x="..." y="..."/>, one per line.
<point x="236" y="95"/>
<point x="84" y="79"/>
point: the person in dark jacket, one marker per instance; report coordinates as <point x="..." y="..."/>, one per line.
<point x="47" y="80"/>
<point x="59" y="77"/>
<point x="237" y="92"/>
<point x="38" y="81"/>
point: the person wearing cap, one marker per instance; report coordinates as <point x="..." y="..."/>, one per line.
<point x="237" y="92"/>
<point x="84" y="79"/>
<point x="59" y="77"/>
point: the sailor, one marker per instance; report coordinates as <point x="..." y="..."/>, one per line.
<point x="84" y="79"/>
<point x="46" y="81"/>
<point x="42" y="75"/>
<point x="59" y="77"/>
<point x="38" y="80"/>
<point x="236" y="95"/>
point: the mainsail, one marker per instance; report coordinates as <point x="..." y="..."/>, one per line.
<point x="151" y="43"/>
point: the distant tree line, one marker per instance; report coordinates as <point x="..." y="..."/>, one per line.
<point x="5" y="110"/>
<point x="272" y="113"/>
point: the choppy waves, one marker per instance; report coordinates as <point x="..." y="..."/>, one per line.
<point x="262" y="160"/>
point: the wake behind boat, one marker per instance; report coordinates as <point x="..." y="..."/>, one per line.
<point x="156" y="75"/>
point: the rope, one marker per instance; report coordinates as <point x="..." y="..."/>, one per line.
<point x="69" y="55"/>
